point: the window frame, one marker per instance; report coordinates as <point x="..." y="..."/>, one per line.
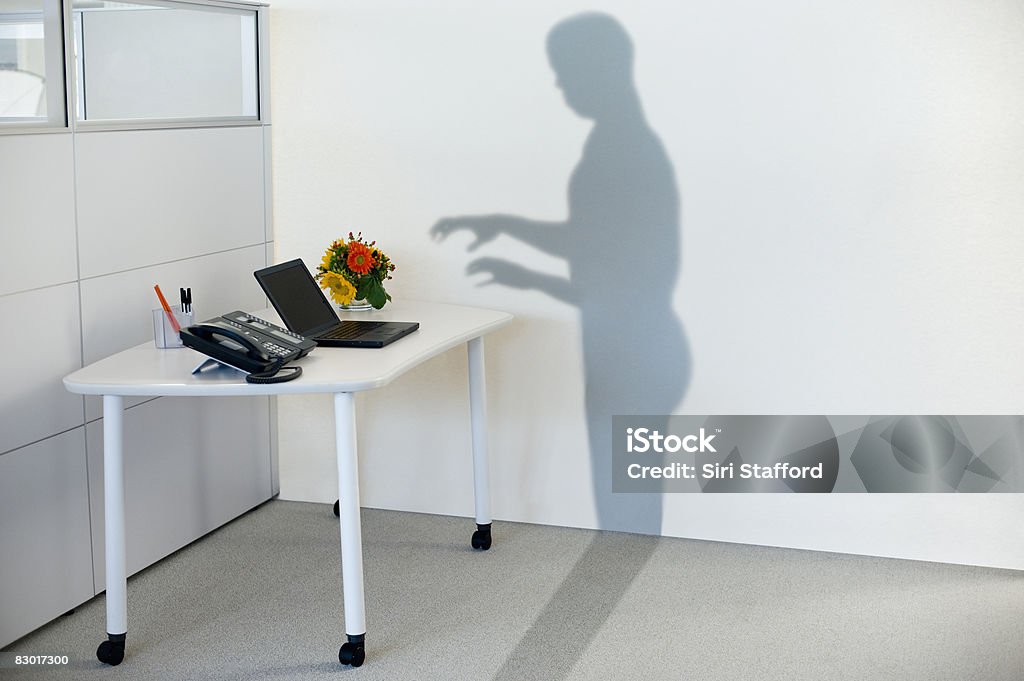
<point x="62" y="99"/>
<point x="262" y="78"/>
<point x="54" y="49"/>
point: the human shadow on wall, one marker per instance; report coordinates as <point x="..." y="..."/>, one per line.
<point x="621" y="241"/>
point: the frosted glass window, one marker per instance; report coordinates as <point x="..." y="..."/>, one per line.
<point x="149" y="61"/>
<point x="31" y="65"/>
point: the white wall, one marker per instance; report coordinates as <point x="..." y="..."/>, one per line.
<point x="851" y="232"/>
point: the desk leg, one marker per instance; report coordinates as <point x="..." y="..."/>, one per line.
<point x="111" y="651"/>
<point x="478" y="420"/>
<point x="352" y="652"/>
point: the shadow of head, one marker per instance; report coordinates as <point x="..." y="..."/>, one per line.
<point x="592" y="57"/>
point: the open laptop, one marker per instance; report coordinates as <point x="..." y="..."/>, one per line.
<point x="304" y="310"/>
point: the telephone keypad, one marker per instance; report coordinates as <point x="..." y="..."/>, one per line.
<point x="276" y="349"/>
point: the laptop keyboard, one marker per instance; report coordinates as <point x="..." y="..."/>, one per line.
<point x="349" y="329"/>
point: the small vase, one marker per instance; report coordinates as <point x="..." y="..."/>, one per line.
<point x="356" y="305"/>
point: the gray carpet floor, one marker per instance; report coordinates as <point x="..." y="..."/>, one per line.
<point x="261" y="598"/>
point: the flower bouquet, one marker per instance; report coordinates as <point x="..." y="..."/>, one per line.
<point x="354" y="271"/>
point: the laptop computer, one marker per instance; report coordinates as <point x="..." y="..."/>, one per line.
<point x="305" y="310"/>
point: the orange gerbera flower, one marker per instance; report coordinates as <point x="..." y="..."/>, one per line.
<point x="360" y="258"/>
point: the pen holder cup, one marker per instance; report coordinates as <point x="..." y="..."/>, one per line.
<point x="164" y="335"/>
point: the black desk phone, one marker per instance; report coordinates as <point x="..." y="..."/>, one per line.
<point x="249" y="343"/>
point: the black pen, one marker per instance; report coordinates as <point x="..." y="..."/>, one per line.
<point x="184" y="301"/>
<point x="188" y="299"/>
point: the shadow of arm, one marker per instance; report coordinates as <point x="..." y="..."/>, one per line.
<point x="547" y="236"/>
<point x="516" y="276"/>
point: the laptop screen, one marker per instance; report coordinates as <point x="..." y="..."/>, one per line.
<point x="296" y="297"/>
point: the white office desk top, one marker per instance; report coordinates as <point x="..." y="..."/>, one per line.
<point x="145" y="370"/>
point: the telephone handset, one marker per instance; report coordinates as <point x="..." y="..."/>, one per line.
<point x="250" y="344"/>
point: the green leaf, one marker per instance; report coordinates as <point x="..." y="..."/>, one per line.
<point x="363" y="286"/>
<point x="375" y="294"/>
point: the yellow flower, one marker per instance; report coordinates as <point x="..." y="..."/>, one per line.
<point x="341" y="290"/>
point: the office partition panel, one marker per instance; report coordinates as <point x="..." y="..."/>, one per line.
<point x="153" y="196"/>
<point x="37" y="218"/>
<point x="191" y="466"/>
<point x="42" y="343"/>
<point x="44" y="527"/>
<point x="92" y="216"/>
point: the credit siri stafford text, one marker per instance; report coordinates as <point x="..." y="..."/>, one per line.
<point x="814" y="454"/>
<point x="649" y="441"/>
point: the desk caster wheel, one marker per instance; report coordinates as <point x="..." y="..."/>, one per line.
<point x="353" y="652"/>
<point x="482" y="537"/>
<point x="111" y="652"/>
<point x="337" y="509"/>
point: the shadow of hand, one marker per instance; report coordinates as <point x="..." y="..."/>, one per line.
<point x="483" y="227"/>
<point x="502" y="272"/>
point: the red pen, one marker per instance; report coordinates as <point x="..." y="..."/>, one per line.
<point x="167" y="308"/>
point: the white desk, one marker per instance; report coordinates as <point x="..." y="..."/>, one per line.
<point x="147" y="371"/>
